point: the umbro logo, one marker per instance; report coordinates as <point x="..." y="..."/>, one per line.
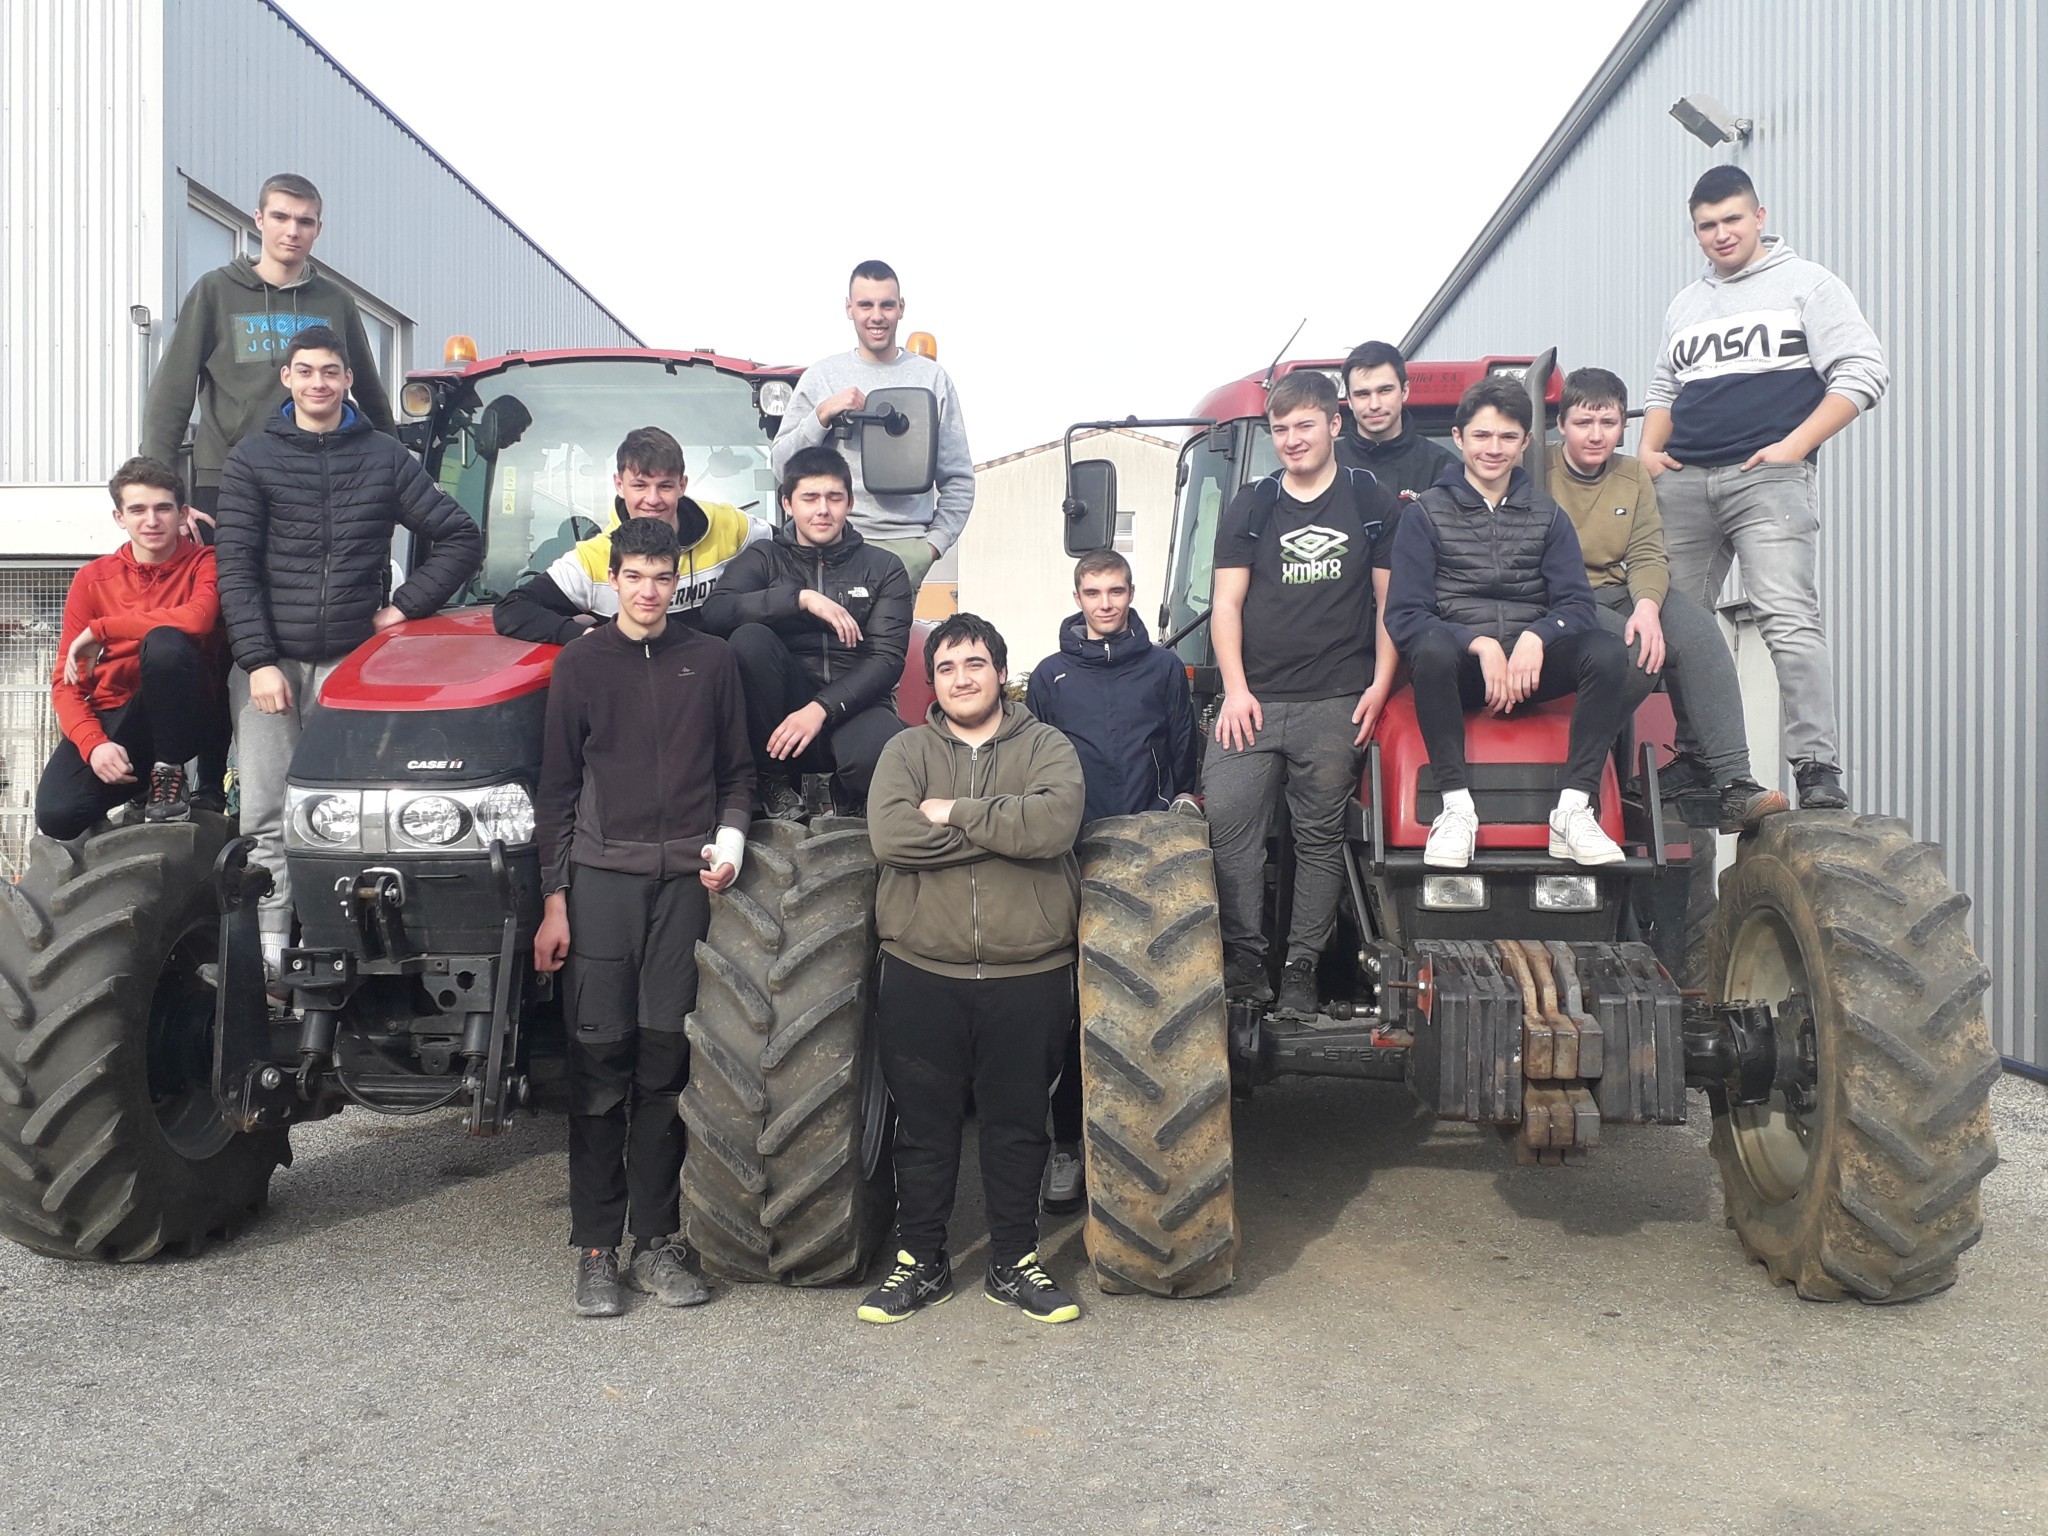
<point x="1312" y="554"/>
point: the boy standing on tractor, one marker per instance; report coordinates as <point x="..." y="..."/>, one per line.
<point x="138" y="689"/>
<point x="307" y="509"/>
<point x="1307" y="666"/>
<point x="973" y="818"/>
<point x="641" y="813"/>
<point x="820" y="621"/>
<point x="1766" y="356"/>
<point x="1490" y="605"/>
<point x="574" y="594"/>
<point x="1381" y="439"/>
<point x="1613" y="508"/>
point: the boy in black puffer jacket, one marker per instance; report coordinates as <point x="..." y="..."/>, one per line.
<point x="307" y="510"/>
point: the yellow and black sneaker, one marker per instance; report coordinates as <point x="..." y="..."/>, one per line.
<point x="911" y="1287"/>
<point x="1026" y="1286"/>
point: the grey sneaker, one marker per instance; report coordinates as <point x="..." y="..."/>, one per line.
<point x="1065" y="1179"/>
<point x="1745" y="803"/>
<point x="667" y="1271"/>
<point x="780" y="800"/>
<point x="597" y="1283"/>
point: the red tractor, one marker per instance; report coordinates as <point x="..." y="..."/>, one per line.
<point x="1834" y="1020"/>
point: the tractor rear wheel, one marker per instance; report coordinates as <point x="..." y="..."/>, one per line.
<point x="1869" y="1187"/>
<point x="111" y="1145"/>
<point x="789" y="1177"/>
<point x="1155" y="1072"/>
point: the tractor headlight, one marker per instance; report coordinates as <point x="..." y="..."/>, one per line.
<point x="1566" y="893"/>
<point x="435" y="820"/>
<point x="504" y="813"/>
<point x="324" y="818"/>
<point x="1454" y="893"/>
<point x="774" y="396"/>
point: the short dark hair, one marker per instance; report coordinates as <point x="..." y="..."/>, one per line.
<point x="964" y="629"/>
<point x="1504" y="394"/>
<point x="1103" y="561"/>
<point x="141" y="470"/>
<point x="1303" y="387"/>
<point x="651" y="451"/>
<point x="647" y="537"/>
<point x="1720" y="184"/>
<point x="1375" y="354"/>
<point x="874" y="272"/>
<point x="291" y="186"/>
<point x="317" y="338"/>
<point x="1593" y="386"/>
<point x="808" y="463"/>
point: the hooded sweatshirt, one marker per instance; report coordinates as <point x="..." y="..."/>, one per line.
<point x="226" y="350"/>
<point x="995" y="891"/>
<point x="1124" y="704"/>
<point x="121" y="599"/>
<point x="1746" y="358"/>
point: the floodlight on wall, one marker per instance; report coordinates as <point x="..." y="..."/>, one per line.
<point x="1710" y="122"/>
<point x="139" y="316"/>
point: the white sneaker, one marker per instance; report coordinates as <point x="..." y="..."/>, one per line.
<point x="1064" y="1179"/>
<point x="1577" y="835"/>
<point x="1451" y="839"/>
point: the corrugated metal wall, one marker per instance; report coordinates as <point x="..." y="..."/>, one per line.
<point x="1902" y="145"/>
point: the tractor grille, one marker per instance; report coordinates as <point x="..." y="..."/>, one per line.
<point x="31" y="613"/>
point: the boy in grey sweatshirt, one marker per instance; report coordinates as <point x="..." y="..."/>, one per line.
<point x="1765" y="357"/>
<point x="916" y="529"/>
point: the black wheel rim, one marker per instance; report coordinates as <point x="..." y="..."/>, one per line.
<point x="179" y="1050"/>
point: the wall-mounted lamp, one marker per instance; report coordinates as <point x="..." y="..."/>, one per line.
<point x="139" y="316"/>
<point x="1710" y="122"/>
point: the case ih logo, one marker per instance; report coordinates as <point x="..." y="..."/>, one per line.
<point x="1313" y="553"/>
<point x="415" y="764"/>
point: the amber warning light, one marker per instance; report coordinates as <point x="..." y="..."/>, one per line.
<point x="924" y="344"/>
<point x="460" y="349"/>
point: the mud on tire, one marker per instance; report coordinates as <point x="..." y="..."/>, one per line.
<point x="1874" y="1192"/>
<point x="788" y="1177"/>
<point x="110" y="1144"/>
<point x="1155" y="1075"/>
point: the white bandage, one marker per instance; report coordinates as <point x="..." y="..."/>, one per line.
<point x="729" y="847"/>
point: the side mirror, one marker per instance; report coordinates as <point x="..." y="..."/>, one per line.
<point x="1090" y="506"/>
<point x="899" y="442"/>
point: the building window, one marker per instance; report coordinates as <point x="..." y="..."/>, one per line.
<point x="210" y="239"/>
<point x="1122" y="542"/>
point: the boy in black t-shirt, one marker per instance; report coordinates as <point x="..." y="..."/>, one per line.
<point x="1301" y="572"/>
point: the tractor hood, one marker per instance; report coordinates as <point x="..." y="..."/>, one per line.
<point x="445" y="662"/>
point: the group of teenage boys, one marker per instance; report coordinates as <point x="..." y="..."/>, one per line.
<point x="709" y="660"/>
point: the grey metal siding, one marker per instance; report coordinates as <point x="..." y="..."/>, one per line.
<point x="1902" y="146"/>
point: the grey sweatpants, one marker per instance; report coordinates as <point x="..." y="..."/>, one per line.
<point x="1769" y="519"/>
<point x="1699" y="674"/>
<point x="1312" y="744"/>
<point x="263" y="756"/>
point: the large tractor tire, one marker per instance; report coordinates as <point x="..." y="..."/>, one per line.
<point x="1155" y="1073"/>
<point x="111" y="1146"/>
<point x="789" y="1177"/>
<point x="1872" y="1191"/>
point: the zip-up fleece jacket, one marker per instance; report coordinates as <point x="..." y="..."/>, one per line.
<point x="304" y="539"/>
<point x="1747" y="358"/>
<point x="1479" y="570"/>
<point x="763" y="583"/>
<point x="645" y="755"/>
<point x="1621" y="532"/>
<point x="120" y="599"/>
<point x="996" y="891"/>
<point x="1408" y="464"/>
<point x="226" y="350"/>
<point x="1123" y="702"/>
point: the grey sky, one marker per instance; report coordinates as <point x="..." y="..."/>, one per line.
<point x="1098" y="209"/>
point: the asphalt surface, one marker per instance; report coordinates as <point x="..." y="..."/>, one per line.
<point x="1422" y="1339"/>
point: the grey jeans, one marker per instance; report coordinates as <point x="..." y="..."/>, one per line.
<point x="1769" y="519"/>
<point x="263" y="756"/>
<point x="1312" y="743"/>
<point x="1699" y="674"/>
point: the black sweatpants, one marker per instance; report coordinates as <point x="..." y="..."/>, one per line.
<point x="179" y="712"/>
<point x="1448" y="682"/>
<point x="778" y="684"/>
<point x="1067" y="1115"/>
<point x="998" y="1038"/>
<point x="630" y="982"/>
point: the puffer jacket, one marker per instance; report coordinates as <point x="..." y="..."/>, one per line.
<point x="996" y="891"/>
<point x="1124" y="704"/>
<point x="304" y="539"/>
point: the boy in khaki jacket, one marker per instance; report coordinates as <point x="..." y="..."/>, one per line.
<point x="973" y="817"/>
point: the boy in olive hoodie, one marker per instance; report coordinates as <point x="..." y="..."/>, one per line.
<point x="973" y="817"/>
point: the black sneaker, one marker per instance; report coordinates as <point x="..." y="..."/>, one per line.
<point x="597" y="1283"/>
<point x="1820" y="787"/>
<point x="780" y="800"/>
<point x="214" y="800"/>
<point x="667" y="1271"/>
<point x="1745" y="803"/>
<point x="169" y="799"/>
<point x="1026" y="1286"/>
<point x="1244" y="977"/>
<point x="911" y="1287"/>
<point x="1684" y="775"/>
<point x="1298" y="989"/>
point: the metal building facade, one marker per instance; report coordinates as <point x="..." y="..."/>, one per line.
<point x="1902" y="146"/>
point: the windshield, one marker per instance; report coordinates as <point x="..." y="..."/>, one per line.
<point x="528" y="452"/>
<point x="1208" y="478"/>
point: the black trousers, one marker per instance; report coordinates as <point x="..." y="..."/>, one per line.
<point x="999" y="1039"/>
<point x="776" y="684"/>
<point x="1448" y="682"/>
<point x="1067" y="1114"/>
<point x="630" y="982"/>
<point x="179" y="712"/>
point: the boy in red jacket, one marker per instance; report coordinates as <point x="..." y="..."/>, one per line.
<point x="137" y="688"/>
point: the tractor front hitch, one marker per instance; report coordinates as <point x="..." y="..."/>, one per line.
<point x="1745" y="1051"/>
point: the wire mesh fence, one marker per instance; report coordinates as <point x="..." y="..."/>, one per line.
<point x="31" y="613"/>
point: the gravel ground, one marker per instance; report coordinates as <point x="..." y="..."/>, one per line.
<point x="1421" y="1339"/>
